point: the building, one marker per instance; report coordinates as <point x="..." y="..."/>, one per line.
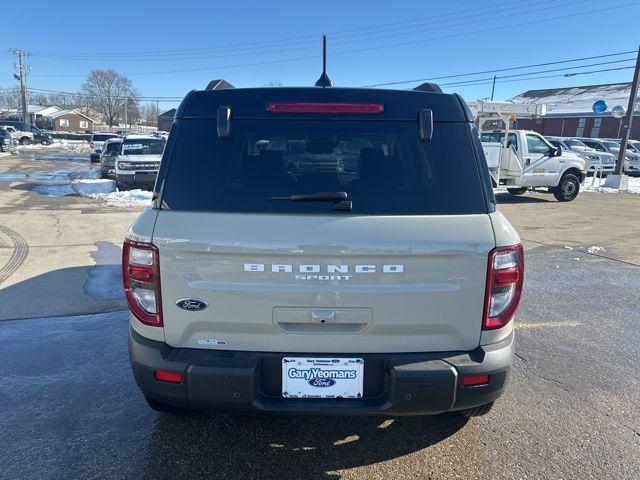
<point x="165" y="120"/>
<point x="38" y="113"/>
<point x="68" y="121"/>
<point x="570" y="114"/>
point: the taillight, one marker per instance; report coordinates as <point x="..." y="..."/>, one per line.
<point x="505" y="276"/>
<point x="141" y="276"/>
<point x="326" y="107"/>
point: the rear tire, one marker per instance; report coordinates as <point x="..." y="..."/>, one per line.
<point x="164" y="407"/>
<point x="477" y="411"/>
<point x="568" y="188"/>
<point x="516" y="191"/>
<point x="25" y="141"/>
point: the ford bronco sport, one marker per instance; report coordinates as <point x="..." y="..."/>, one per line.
<point x="325" y="251"/>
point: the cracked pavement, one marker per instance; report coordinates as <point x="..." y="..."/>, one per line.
<point x="571" y="410"/>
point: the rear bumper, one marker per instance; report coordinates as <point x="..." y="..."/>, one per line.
<point x="394" y="384"/>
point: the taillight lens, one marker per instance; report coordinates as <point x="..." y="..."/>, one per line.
<point x="505" y="276"/>
<point x="141" y="276"/>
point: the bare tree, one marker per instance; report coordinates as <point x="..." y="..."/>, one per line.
<point x="112" y="96"/>
<point x="149" y="114"/>
<point x="10" y="100"/>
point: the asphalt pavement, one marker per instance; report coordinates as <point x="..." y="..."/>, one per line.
<point x="71" y="409"/>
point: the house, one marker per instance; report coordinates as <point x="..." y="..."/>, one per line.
<point x="38" y="113"/>
<point x="69" y="121"/>
<point x="570" y="114"/>
<point x="165" y="120"/>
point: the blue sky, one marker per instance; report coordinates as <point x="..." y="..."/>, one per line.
<point x="170" y="47"/>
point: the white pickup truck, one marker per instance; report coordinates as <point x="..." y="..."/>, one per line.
<point x="525" y="160"/>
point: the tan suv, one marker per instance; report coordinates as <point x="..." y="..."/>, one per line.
<point x="388" y="287"/>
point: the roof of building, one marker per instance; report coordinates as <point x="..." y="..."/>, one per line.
<point x="577" y="99"/>
<point x="39" y="108"/>
<point x="68" y="112"/>
<point x="169" y="113"/>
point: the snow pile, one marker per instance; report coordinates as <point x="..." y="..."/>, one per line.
<point x="5" y="154"/>
<point x="577" y="99"/>
<point x="128" y="198"/>
<point x="633" y="187"/>
<point x="93" y="186"/>
<point x="80" y="146"/>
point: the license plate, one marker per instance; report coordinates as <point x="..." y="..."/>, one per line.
<point x="322" y="377"/>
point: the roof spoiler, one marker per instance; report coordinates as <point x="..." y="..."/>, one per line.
<point x="428" y="87"/>
<point x="219" y="85"/>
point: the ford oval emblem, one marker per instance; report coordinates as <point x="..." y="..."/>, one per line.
<point x="192" y="304"/>
<point x="322" y="382"/>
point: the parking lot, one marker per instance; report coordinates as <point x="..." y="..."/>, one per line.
<point x="70" y="406"/>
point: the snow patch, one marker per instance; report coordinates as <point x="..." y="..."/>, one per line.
<point x="595" y="249"/>
<point x="568" y="247"/>
<point x="633" y="187"/>
<point x="93" y="186"/>
<point x="128" y="198"/>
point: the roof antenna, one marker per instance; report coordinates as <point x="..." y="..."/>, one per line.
<point x="324" y="80"/>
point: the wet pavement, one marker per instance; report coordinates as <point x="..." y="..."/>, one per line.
<point x="71" y="409"/>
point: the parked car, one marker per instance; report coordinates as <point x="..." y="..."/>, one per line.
<point x="110" y="150"/>
<point x="26" y="133"/>
<point x="6" y="140"/>
<point x="138" y="161"/>
<point x="97" y="143"/>
<point x="596" y="161"/>
<point x="631" y="162"/>
<point x="382" y="290"/>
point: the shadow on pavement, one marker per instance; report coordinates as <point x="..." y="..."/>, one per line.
<point x="255" y="446"/>
<point x="66" y="291"/>
<point x="507" y="198"/>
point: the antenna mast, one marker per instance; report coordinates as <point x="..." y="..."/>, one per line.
<point x="324" y="80"/>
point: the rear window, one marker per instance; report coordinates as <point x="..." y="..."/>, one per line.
<point x="113" y="146"/>
<point x="102" y="137"/>
<point x="143" y="146"/>
<point x="382" y="166"/>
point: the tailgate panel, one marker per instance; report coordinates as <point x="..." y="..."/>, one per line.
<point x="381" y="284"/>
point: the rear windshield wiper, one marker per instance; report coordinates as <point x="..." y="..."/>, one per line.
<point x="341" y="200"/>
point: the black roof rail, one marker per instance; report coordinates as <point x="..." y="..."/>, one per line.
<point x="428" y="87"/>
<point x="219" y="85"/>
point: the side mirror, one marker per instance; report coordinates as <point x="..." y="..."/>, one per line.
<point x="557" y="151"/>
<point x="425" y="124"/>
<point x="98" y="150"/>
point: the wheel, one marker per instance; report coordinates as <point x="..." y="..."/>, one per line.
<point x="121" y="187"/>
<point x="477" y="411"/>
<point x="516" y="191"/>
<point x="164" y="407"/>
<point x="104" y="173"/>
<point x="568" y="188"/>
<point x="25" y="141"/>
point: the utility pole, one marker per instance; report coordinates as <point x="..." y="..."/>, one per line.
<point x="493" y="88"/>
<point x="21" y="76"/>
<point x="619" y="179"/>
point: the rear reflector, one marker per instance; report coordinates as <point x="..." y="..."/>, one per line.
<point x="169" y="377"/>
<point x="326" y="108"/>
<point x="475" y="380"/>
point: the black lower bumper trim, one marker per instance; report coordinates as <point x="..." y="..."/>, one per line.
<point x="394" y="384"/>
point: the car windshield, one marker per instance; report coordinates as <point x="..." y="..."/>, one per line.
<point x="575" y="143"/>
<point x="142" y="146"/>
<point x="381" y="166"/>
<point x="611" y="144"/>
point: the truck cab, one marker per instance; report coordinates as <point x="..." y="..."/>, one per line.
<point x="524" y="160"/>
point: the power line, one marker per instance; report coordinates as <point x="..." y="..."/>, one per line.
<point x="309" y="38"/>
<point x="307" y="45"/>
<point x="498" y="70"/>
